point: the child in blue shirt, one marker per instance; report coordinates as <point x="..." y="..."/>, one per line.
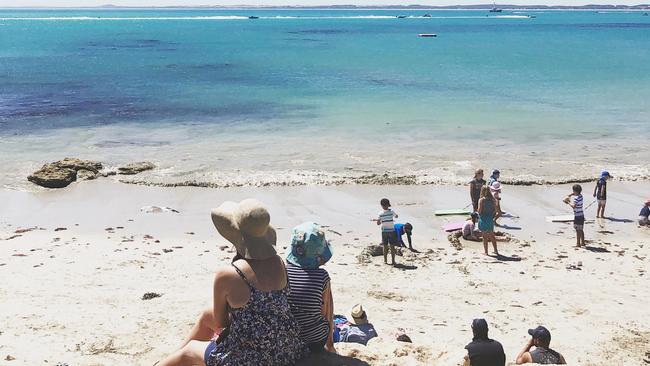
<point x="401" y="229"/>
<point x="644" y="214"/>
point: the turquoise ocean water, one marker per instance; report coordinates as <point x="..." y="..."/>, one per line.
<point x="326" y="96"/>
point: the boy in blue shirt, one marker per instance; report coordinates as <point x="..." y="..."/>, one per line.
<point x="401" y="229"/>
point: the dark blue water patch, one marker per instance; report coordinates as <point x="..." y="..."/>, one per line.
<point x="322" y="31"/>
<point x="130" y="142"/>
<point x="303" y="40"/>
<point x="129" y="44"/>
<point x="36" y="112"/>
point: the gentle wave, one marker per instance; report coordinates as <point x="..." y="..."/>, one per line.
<point x="238" y="17"/>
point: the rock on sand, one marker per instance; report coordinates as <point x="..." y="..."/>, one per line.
<point x="61" y="173"/>
<point x="135" y="168"/>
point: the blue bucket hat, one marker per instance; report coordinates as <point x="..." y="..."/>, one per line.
<point x="604" y="174"/>
<point x="309" y="249"/>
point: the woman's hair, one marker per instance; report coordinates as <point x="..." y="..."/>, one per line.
<point x="485" y="192"/>
<point x="477" y="172"/>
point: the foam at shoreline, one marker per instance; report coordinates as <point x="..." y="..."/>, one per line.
<point x="295" y="179"/>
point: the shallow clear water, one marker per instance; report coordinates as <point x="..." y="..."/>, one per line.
<point x="315" y="96"/>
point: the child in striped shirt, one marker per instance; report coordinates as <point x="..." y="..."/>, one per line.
<point x="386" y="219"/>
<point x="575" y="201"/>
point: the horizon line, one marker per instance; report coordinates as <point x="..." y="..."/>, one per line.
<point x="348" y="6"/>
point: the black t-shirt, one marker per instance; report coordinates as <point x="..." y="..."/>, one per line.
<point x="486" y="352"/>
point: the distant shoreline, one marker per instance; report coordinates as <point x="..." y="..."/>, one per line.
<point x="354" y="7"/>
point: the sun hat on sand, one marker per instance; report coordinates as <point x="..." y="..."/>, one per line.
<point x="246" y="226"/>
<point x="359" y="315"/>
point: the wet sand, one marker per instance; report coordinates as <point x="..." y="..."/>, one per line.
<point x="77" y="262"/>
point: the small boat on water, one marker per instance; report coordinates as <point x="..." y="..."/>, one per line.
<point x="426" y="15"/>
<point x="401" y="16"/>
<point x="427" y="35"/>
<point x="645" y="14"/>
<point x="495" y="9"/>
<point x="253" y="17"/>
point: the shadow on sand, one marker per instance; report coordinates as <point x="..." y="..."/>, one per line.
<point x="330" y="359"/>
<point x="618" y="220"/>
<point x="597" y="249"/>
<point x="505" y="258"/>
<point x="508" y="227"/>
<point x="405" y="267"/>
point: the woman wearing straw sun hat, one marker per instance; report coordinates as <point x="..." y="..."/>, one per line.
<point x="250" y="309"/>
<point x="311" y="295"/>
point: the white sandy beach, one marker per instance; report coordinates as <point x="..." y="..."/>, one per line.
<point x="72" y="287"/>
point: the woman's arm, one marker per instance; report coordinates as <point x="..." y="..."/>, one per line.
<point x="480" y="206"/>
<point x="328" y="312"/>
<point x="220" y="300"/>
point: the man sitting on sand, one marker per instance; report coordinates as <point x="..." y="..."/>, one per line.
<point x="643" y="215"/>
<point x="542" y="354"/>
<point x="483" y="351"/>
<point x="470" y="232"/>
<point x="400" y="230"/>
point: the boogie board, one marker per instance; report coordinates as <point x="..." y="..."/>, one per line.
<point x="453" y="226"/>
<point x="560" y="218"/>
<point x="450" y="212"/>
<point x="563" y="218"/>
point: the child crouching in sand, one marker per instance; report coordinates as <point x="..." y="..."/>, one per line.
<point x="575" y="201"/>
<point x="644" y="214"/>
<point x="470" y="232"/>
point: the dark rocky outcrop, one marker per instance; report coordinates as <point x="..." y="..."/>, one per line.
<point x="61" y="173"/>
<point x="135" y="168"/>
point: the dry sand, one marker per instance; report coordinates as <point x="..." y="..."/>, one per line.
<point x="72" y="287"/>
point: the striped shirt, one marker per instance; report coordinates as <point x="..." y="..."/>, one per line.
<point x="577" y="206"/>
<point x="387" y="219"/>
<point x="306" y="302"/>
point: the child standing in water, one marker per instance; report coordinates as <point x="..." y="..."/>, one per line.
<point x="386" y="219"/>
<point x="600" y="192"/>
<point x="575" y="200"/>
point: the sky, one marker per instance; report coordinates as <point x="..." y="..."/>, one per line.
<point x="73" y="3"/>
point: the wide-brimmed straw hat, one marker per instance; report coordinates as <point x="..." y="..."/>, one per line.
<point x="359" y="315"/>
<point x="246" y="226"/>
<point x="309" y="248"/>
